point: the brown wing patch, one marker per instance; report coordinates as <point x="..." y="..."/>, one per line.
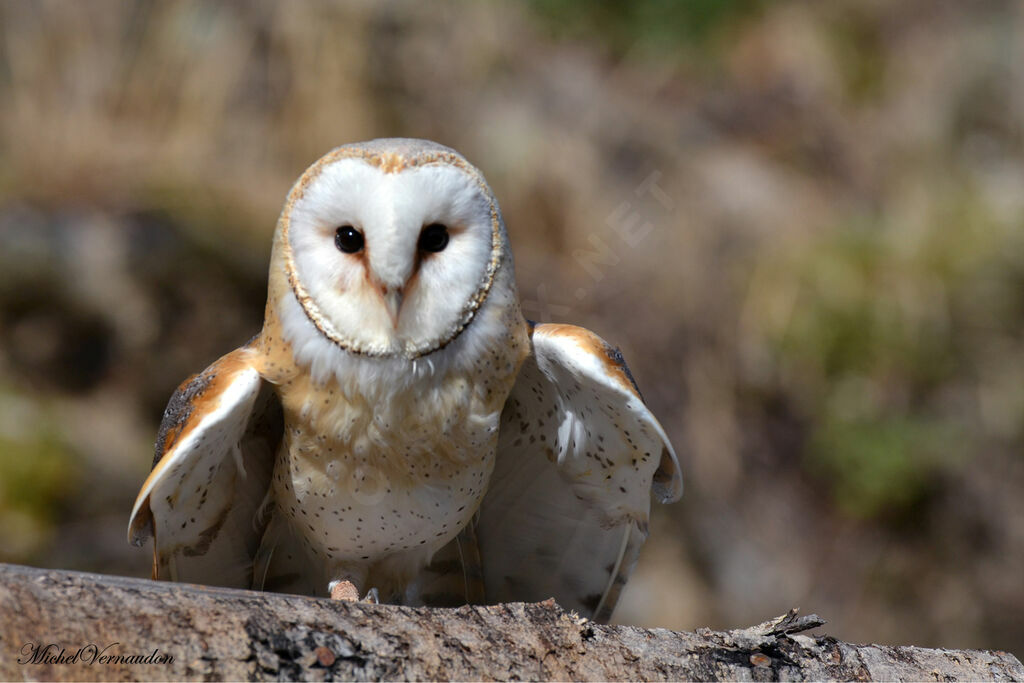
<point x="610" y="357"/>
<point x="177" y="413"/>
<point x="195" y="397"/>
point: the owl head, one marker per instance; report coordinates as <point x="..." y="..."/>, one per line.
<point x="390" y="247"/>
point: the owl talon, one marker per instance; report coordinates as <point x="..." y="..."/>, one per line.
<point x="372" y="597"/>
<point x="343" y="590"/>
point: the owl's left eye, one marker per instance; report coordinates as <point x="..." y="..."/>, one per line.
<point x="348" y="239"/>
<point x="434" y="237"/>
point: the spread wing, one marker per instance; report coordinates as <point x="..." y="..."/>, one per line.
<point x="579" y="455"/>
<point x="214" y="459"/>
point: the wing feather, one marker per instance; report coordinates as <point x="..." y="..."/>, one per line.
<point x="212" y="468"/>
<point x="579" y="457"/>
<point x="453" y="576"/>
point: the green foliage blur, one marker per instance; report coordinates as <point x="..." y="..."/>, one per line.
<point x="649" y="26"/>
<point x="37" y="471"/>
<point x="883" y="326"/>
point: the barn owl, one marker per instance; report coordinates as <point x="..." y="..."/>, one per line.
<point x="398" y="426"/>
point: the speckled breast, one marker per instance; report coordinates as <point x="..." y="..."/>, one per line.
<point x="362" y="480"/>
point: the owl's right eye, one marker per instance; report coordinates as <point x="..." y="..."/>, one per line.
<point x="348" y="239"/>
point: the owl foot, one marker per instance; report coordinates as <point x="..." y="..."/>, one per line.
<point x="343" y="590"/>
<point x="372" y="597"/>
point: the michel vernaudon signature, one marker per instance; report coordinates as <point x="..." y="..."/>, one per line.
<point x="53" y="653"/>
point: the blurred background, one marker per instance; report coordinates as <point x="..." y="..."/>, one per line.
<point x="802" y="222"/>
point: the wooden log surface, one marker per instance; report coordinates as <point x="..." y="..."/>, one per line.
<point x="61" y="625"/>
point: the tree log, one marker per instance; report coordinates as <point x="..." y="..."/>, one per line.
<point x="62" y="625"/>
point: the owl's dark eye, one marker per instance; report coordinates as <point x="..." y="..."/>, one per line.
<point x="434" y="238"/>
<point x="348" y="239"/>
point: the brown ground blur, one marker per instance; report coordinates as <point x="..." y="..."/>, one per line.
<point x="802" y="222"/>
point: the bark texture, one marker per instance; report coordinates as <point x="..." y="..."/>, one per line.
<point x="212" y="633"/>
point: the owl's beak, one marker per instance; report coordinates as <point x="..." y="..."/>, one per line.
<point x="393" y="304"/>
<point x="391" y="296"/>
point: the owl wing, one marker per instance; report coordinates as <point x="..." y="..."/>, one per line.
<point x="579" y="455"/>
<point x="214" y="459"/>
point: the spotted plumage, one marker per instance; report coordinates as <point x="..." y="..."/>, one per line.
<point x="397" y="424"/>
